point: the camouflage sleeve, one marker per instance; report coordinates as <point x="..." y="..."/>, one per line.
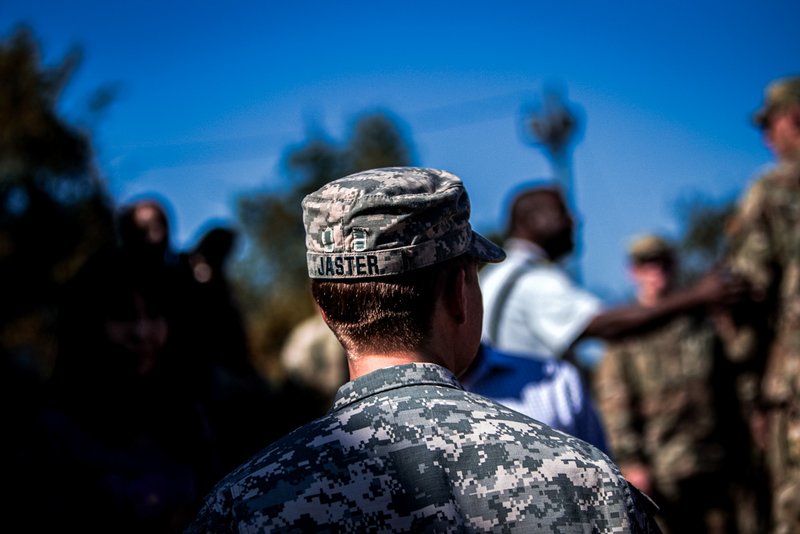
<point x="643" y="513"/>
<point x="752" y="254"/>
<point x="214" y="516"/>
<point x="615" y="400"/>
<point x="751" y="251"/>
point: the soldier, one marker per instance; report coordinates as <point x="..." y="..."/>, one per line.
<point x="765" y="248"/>
<point x="394" y="268"/>
<point x="668" y="401"/>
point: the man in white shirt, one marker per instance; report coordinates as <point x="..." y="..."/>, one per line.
<point x="534" y="308"/>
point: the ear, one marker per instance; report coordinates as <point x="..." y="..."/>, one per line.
<point x="455" y="296"/>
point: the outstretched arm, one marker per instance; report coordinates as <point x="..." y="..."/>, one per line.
<point x="714" y="289"/>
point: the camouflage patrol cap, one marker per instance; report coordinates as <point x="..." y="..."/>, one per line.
<point x="389" y="221"/>
<point x="649" y="247"/>
<point x="779" y="94"/>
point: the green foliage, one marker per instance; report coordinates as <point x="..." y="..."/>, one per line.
<point x="54" y="211"/>
<point x="272" y="279"/>
<point x="32" y="136"/>
<point x="703" y="241"/>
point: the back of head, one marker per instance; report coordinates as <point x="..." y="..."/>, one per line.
<point x="218" y="243"/>
<point x="539" y="214"/>
<point x="215" y="247"/>
<point x="377" y="243"/>
<point x="514" y="199"/>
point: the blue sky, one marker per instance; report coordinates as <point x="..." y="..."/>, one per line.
<point x="212" y="93"/>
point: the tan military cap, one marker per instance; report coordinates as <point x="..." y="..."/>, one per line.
<point x="779" y="94"/>
<point x="650" y="247"/>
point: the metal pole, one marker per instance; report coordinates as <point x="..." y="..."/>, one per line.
<point x="553" y="127"/>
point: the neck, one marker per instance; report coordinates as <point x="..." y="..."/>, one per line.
<point x="363" y="364"/>
<point x="791" y="156"/>
<point x="520" y="243"/>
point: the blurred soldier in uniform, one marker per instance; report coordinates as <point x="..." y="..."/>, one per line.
<point x="394" y="268"/>
<point x="765" y="248"/>
<point x="668" y="401"/>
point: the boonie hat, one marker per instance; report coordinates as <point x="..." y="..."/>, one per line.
<point x="649" y="247"/>
<point x="389" y="221"/>
<point x="779" y="94"/>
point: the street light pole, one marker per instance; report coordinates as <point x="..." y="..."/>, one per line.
<point x="552" y="126"/>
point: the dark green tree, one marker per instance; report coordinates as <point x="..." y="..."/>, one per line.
<point x="272" y="278"/>
<point x="54" y="210"/>
<point x="703" y="242"/>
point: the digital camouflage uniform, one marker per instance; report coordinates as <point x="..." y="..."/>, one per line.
<point x="765" y="248"/>
<point x="668" y="402"/>
<point x="406" y="449"/>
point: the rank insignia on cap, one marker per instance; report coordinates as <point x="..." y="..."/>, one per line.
<point x="327" y="239"/>
<point x="359" y="239"/>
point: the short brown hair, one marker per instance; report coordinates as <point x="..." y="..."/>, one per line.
<point x="384" y="314"/>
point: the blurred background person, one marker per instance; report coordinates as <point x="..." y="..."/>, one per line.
<point x="125" y="445"/>
<point x="765" y="249"/>
<point x="534" y="308"/>
<point x="668" y="401"/>
<point x="144" y="232"/>
<point x="210" y="300"/>
<point x="209" y="340"/>
<point x="213" y="348"/>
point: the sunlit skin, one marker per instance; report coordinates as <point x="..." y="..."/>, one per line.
<point x="782" y="134"/>
<point x="457" y="320"/>
<point x="653" y="280"/>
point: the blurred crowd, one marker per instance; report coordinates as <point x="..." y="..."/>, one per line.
<point x="698" y="390"/>
<point x="154" y="395"/>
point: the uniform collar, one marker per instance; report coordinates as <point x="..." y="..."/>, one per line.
<point x="388" y="378"/>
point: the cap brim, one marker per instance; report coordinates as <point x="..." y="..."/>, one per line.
<point x="485" y="250"/>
